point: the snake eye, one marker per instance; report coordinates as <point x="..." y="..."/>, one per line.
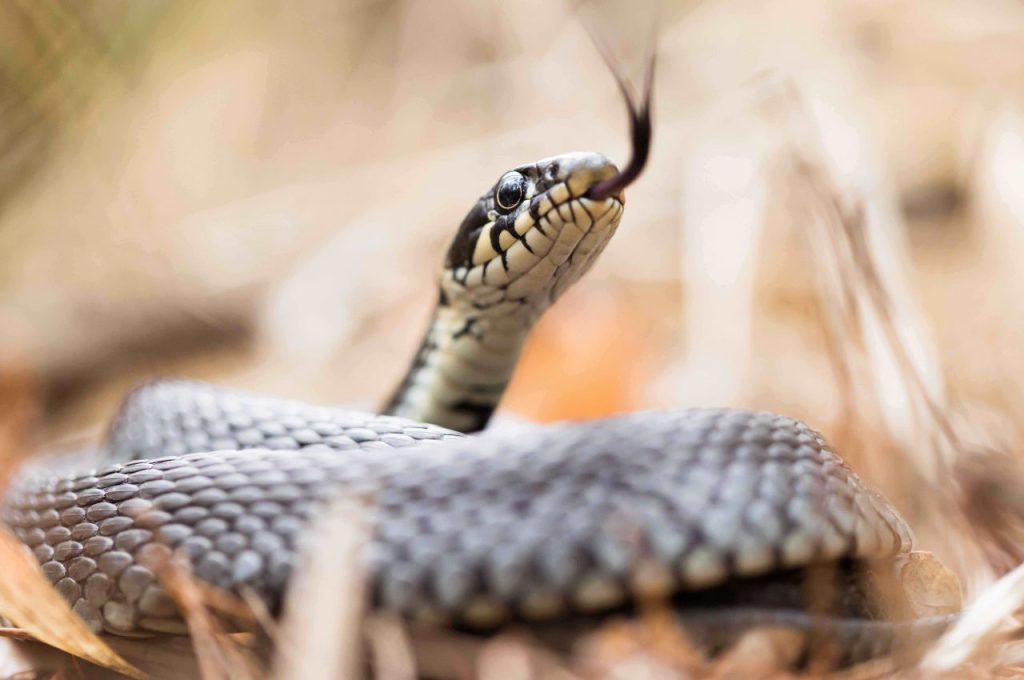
<point x="510" y="191"/>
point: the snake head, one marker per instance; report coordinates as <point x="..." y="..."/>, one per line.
<point x="533" y="234"/>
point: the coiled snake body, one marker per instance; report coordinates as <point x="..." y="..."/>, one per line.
<point x="717" y="511"/>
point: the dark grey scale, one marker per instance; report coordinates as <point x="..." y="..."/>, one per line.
<point x="43" y="553"/>
<point x="84" y="530"/>
<point x="80" y="568"/>
<point x="69" y="590"/>
<point x="190" y="515"/>
<point x="100" y="511"/>
<point x="71" y="516"/>
<point x="98" y="588"/>
<point x="135" y="507"/>
<point x="114" y="525"/>
<point x="111" y="479"/>
<point x="97" y="545"/>
<point x="48" y="518"/>
<point x="88" y="496"/>
<point x="66" y="550"/>
<point x="57" y="534"/>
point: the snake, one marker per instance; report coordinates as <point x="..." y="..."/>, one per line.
<point x="720" y="515"/>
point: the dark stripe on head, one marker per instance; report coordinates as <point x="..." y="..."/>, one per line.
<point x="461" y="251"/>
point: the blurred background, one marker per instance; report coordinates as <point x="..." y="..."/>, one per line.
<point x="261" y="194"/>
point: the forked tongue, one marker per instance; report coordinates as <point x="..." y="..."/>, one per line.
<point x="639" y="109"/>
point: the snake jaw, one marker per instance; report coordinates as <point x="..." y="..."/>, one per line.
<point x="530" y="253"/>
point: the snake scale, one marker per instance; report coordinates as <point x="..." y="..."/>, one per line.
<point x="719" y="512"/>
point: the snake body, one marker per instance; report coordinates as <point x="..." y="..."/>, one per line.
<point x="718" y="512"/>
<point x="557" y="521"/>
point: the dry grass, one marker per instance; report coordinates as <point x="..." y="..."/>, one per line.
<point x="320" y="634"/>
<point x="830" y="227"/>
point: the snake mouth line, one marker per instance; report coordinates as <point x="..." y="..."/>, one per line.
<point x="566" y="239"/>
<point x="550" y="240"/>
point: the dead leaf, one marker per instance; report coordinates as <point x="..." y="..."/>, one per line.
<point x="31" y="603"/>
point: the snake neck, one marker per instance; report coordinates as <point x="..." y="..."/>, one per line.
<point x="463" y="366"/>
